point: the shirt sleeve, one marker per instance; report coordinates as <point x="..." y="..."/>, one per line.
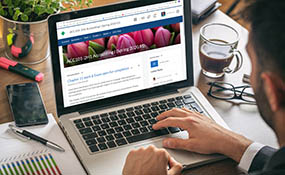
<point x="249" y="155"/>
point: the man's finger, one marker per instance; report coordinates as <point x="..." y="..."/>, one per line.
<point x="176" y="167"/>
<point x="176" y="143"/>
<point x="175" y="112"/>
<point x="170" y="122"/>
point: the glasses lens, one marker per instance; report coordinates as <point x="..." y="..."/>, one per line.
<point x="248" y="95"/>
<point x="223" y="91"/>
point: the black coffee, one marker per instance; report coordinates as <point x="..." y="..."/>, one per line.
<point x="214" y="57"/>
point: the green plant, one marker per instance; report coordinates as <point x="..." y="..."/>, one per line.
<point x="35" y="10"/>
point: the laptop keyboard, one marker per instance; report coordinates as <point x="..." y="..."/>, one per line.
<point x="126" y="126"/>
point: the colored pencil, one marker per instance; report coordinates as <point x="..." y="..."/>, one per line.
<point x="54" y="163"/>
<point x="43" y="171"/>
<point x="4" y="168"/>
<point x="14" y="166"/>
<point x="19" y="165"/>
<point x="45" y="165"/>
<point x="1" y="172"/>
<point x="10" y="169"/>
<point x="25" y="167"/>
<point x="50" y="165"/>
<point x="31" y="168"/>
<point x="35" y="166"/>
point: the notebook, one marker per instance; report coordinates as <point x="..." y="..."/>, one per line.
<point x="17" y="149"/>
<point x="115" y="69"/>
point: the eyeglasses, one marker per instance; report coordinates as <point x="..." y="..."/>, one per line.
<point x="226" y="91"/>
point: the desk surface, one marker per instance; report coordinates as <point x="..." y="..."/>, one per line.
<point x="243" y="119"/>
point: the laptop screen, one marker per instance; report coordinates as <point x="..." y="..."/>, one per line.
<point x="120" y="52"/>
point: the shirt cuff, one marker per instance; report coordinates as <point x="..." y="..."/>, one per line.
<point x="249" y="155"/>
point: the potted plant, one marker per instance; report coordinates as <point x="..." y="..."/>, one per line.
<point x="25" y="28"/>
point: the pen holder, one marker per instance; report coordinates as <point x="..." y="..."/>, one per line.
<point x="25" y="42"/>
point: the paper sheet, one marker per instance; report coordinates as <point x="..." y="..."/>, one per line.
<point x="14" y="145"/>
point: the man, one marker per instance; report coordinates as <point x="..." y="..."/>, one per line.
<point x="266" y="51"/>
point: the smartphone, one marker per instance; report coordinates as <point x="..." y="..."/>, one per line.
<point x="26" y="104"/>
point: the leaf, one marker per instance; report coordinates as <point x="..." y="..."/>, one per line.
<point x="28" y="11"/>
<point x="24" y="17"/>
<point x="15" y="17"/>
<point x="11" y="12"/>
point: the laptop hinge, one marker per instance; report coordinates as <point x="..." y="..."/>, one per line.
<point x="129" y="101"/>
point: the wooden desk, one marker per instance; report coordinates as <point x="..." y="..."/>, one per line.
<point x="243" y="119"/>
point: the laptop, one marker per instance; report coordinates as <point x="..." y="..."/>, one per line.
<point x="117" y="67"/>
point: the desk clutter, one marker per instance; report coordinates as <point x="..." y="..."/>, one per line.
<point x="19" y="155"/>
<point x="39" y="162"/>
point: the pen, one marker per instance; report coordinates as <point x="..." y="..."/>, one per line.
<point x="35" y="137"/>
<point x="18" y="68"/>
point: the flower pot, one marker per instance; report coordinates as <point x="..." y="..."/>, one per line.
<point x="25" y="42"/>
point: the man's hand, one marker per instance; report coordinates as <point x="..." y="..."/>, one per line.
<point x="205" y="136"/>
<point x="151" y="161"/>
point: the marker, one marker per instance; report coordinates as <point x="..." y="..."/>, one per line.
<point x="10" y="169"/>
<point x="24" y="165"/>
<point x="50" y="164"/>
<point x="36" y="168"/>
<point x="43" y="171"/>
<point x="45" y="165"/>
<point x="22" y="172"/>
<point x="21" y="69"/>
<point x="14" y="166"/>
<point x="4" y="168"/>
<point x="29" y="165"/>
<point x="54" y="163"/>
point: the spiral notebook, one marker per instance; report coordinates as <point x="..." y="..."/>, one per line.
<point x="18" y="154"/>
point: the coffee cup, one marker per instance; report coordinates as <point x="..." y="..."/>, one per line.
<point x="217" y="48"/>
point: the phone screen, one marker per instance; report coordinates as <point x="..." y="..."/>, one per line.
<point x="26" y="104"/>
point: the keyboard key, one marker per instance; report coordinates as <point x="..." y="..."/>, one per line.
<point x="178" y="103"/>
<point x="171" y="105"/>
<point x="171" y="100"/>
<point x="96" y="128"/>
<point x="139" y="112"/>
<point x="110" y="131"/>
<point x="127" y="133"/>
<point x="145" y="136"/>
<point x="90" y="136"/>
<point x="147" y="110"/>
<point x="119" y="129"/>
<point x="77" y="121"/>
<point x="187" y="96"/>
<point x="97" y="121"/>
<point x="173" y="129"/>
<point x="121" y="142"/>
<point x="127" y="127"/>
<point x="110" y="137"/>
<point x="150" y="128"/>
<point x="113" y="124"/>
<point x="88" y="123"/>
<point x="79" y="125"/>
<point x="161" y="111"/>
<point x="121" y="111"/>
<point x="163" y="106"/>
<point x="111" y="144"/>
<point x="130" y="109"/>
<point x="162" y="101"/>
<point x="143" y="130"/>
<point x="152" y="121"/>
<point x="138" y="107"/>
<point x="122" y="116"/>
<point x="130" y="120"/>
<point x="101" y="139"/>
<point x="154" y="114"/>
<point x="105" y="126"/>
<point x="154" y="103"/>
<point x="135" y="125"/>
<point x="114" y="117"/>
<point x="91" y="142"/>
<point x="102" y="146"/>
<point x="196" y="107"/>
<point x="95" y="117"/>
<point x="146" y="116"/>
<point x="105" y="120"/>
<point x="144" y="123"/>
<point x="118" y="135"/>
<point x="103" y="115"/>
<point x="179" y="98"/>
<point x="85" y="130"/>
<point x="113" y="113"/>
<point x="131" y="114"/>
<point x="102" y="133"/>
<point x="93" y="148"/>
<point x="135" y="131"/>
<point x="138" y="118"/>
<point x="188" y="100"/>
<point x="86" y="119"/>
<point x="155" y="108"/>
<point x="146" y="105"/>
<point x="122" y="122"/>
